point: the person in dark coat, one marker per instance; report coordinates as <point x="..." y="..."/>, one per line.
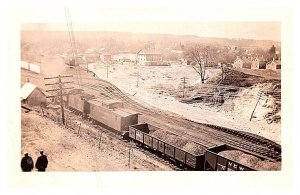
<point x="27" y="163"/>
<point x="42" y="162"/>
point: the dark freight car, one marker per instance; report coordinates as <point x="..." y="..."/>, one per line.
<point x="155" y="144"/>
<point x="139" y="133"/>
<point x="161" y="146"/>
<point x="216" y="162"/>
<point x="180" y="155"/>
<point x="170" y="150"/>
<point x="139" y="136"/>
<point x="195" y="162"/>
<point x="148" y="140"/>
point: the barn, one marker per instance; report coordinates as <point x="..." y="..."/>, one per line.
<point x="32" y="95"/>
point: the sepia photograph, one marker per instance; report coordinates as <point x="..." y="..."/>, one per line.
<point x="145" y="92"/>
<point x="121" y="101"/>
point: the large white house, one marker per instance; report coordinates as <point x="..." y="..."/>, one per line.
<point x="149" y="58"/>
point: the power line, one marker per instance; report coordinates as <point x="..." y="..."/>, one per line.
<point x="60" y="92"/>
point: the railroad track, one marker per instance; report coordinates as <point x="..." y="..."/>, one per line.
<point x="200" y="132"/>
<point x="94" y="132"/>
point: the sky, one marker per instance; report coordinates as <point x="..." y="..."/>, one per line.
<point x="249" y="30"/>
<point x="229" y="22"/>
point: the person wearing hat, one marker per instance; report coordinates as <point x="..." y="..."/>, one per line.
<point x="41" y="162"/>
<point x="27" y="163"/>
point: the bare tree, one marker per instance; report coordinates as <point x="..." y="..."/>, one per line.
<point x="200" y="55"/>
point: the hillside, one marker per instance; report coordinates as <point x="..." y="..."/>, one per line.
<point x="47" y="41"/>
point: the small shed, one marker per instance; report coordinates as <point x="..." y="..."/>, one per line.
<point x="32" y="95"/>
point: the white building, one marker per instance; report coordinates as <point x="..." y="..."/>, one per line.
<point x="274" y="64"/>
<point x="149" y="58"/>
<point x="125" y="56"/>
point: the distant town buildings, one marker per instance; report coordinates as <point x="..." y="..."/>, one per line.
<point x="149" y="58"/>
<point x="105" y="57"/>
<point x="256" y="63"/>
<point x="125" y="56"/>
<point x="274" y="64"/>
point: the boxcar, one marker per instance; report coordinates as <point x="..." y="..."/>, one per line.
<point x="117" y="119"/>
<point x="215" y="162"/>
<point x="78" y="101"/>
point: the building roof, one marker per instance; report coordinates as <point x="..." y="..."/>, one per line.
<point x="26" y="90"/>
<point x="149" y="52"/>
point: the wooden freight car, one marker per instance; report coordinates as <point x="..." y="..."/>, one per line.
<point x="140" y="134"/>
<point x="216" y="162"/>
<point x="117" y="119"/>
<point x="78" y="102"/>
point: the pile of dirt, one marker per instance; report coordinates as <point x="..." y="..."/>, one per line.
<point x="239" y="79"/>
<point x="179" y="141"/>
<point x="194" y="148"/>
<point x="250" y="160"/>
<point x="170" y="138"/>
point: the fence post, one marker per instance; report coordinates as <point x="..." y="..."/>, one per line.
<point x="129" y="157"/>
<point x="79" y="129"/>
<point x="100" y="140"/>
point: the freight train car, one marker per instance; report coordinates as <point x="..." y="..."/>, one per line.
<point x="216" y="162"/>
<point x="78" y="102"/>
<point x="140" y="134"/>
<point x="116" y="119"/>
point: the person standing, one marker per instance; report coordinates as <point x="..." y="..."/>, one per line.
<point x="27" y="163"/>
<point x="41" y="162"/>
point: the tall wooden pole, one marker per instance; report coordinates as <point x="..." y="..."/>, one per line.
<point x="60" y="93"/>
<point x="255" y="107"/>
<point x="61" y="100"/>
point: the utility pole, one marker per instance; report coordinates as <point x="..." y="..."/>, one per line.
<point x="255" y="106"/>
<point x="60" y="92"/>
<point x="138" y="66"/>
<point x="137" y="75"/>
<point x="106" y="70"/>
<point x="222" y="65"/>
<point x="137" y="79"/>
<point x="183" y="81"/>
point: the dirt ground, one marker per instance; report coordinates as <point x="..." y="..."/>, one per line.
<point x="161" y="86"/>
<point x="155" y="86"/>
<point x="68" y="151"/>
